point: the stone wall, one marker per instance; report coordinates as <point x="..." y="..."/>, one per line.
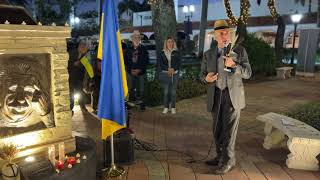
<point x="26" y="39"/>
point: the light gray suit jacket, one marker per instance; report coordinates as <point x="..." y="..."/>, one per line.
<point x="234" y="79"/>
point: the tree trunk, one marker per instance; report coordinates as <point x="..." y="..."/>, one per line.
<point x="33" y="10"/>
<point x="164" y="24"/>
<point x="318" y="13"/>
<point x="241" y="31"/>
<point x="309" y="7"/>
<point x="203" y="26"/>
<point x="279" y="39"/>
<point x="242" y="27"/>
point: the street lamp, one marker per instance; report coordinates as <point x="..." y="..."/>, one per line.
<point x="188" y="9"/>
<point x="188" y="12"/>
<point x="141" y="16"/>
<point x="295" y="18"/>
<point x="74" y="21"/>
<point x="77" y="20"/>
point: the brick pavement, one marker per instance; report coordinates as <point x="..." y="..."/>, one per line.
<point x="189" y="133"/>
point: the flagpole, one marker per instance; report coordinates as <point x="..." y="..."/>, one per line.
<point x="113" y="171"/>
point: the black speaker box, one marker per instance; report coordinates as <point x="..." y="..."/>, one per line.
<point x="123" y="142"/>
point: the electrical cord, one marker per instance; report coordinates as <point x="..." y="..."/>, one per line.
<point x="214" y="131"/>
<point x="152" y="147"/>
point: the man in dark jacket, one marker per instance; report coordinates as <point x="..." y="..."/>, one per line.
<point x="96" y="80"/>
<point x="76" y="74"/>
<point x="225" y="96"/>
<point x="136" y="60"/>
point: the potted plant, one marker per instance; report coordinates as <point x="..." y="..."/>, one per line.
<point x="10" y="170"/>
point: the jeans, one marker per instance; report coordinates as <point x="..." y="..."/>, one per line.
<point x="169" y="85"/>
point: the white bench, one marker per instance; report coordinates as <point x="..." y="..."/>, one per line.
<point x="284" y="72"/>
<point x="303" y="140"/>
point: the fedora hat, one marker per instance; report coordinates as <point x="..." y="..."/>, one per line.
<point x="220" y="24"/>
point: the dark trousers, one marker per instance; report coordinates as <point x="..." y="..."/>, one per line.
<point x="169" y="85"/>
<point x="96" y="92"/>
<point x="136" y="89"/>
<point x="226" y="121"/>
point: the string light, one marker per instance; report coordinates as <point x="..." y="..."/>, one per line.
<point x="273" y="10"/>
<point x="244" y="12"/>
<point x="152" y="2"/>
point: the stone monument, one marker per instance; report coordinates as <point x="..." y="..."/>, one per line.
<point x="34" y="92"/>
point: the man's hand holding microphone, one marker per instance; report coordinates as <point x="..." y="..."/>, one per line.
<point x="211" y="77"/>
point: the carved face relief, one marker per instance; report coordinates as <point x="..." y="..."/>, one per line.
<point x="24" y="95"/>
<point x="17" y="104"/>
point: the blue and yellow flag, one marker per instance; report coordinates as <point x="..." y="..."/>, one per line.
<point x="113" y="89"/>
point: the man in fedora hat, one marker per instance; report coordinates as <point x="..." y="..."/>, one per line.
<point x="136" y="60"/>
<point x="225" y="95"/>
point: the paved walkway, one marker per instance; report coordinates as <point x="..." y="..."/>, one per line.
<point x="188" y="136"/>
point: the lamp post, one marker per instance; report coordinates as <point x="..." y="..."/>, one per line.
<point x="188" y="12"/>
<point x="74" y="21"/>
<point x="295" y="18"/>
<point x="141" y="16"/>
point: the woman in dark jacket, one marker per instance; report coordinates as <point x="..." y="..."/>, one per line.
<point x="169" y="75"/>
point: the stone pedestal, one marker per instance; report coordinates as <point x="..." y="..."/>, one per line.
<point x="303" y="154"/>
<point x="303" y="142"/>
<point x="86" y="170"/>
<point x="51" y="41"/>
<point x="274" y="137"/>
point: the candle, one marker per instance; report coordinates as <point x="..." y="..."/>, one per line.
<point x="71" y="160"/>
<point x="60" y="165"/>
<point x="52" y="154"/>
<point x="61" y="152"/>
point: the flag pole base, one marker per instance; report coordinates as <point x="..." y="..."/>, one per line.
<point x="114" y="172"/>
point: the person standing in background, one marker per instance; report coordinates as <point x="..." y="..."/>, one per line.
<point x="76" y="74"/>
<point x="96" y="81"/>
<point x="169" y="75"/>
<point x="136" y="59"/>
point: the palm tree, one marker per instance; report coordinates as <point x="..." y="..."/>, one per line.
<point x="280" y="30"/>
<point x="163" y="21"/>
<point x="203" y="26"/>
<point x="145" y="6"/>
<point x="19" y="2"/>
<point x="126" y="5"/>
<point x="303" y="3"/>
<point x="123" y="6"/>
<point x="242" y="20"/>
<point x="318" y="13"/>
<point x="29" y="5"/>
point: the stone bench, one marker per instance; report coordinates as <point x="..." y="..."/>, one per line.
<point x="303" y="140"/>
<point x="284" y="72"/>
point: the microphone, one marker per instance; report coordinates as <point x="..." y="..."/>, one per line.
<point x="227" y="49"/>
<point x="226" y="52"/>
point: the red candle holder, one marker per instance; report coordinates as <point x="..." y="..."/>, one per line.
<point x="71" y="160"/>
<point x="60" y="165"/>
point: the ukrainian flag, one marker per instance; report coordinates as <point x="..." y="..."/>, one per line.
<point x="113" y="88"/>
